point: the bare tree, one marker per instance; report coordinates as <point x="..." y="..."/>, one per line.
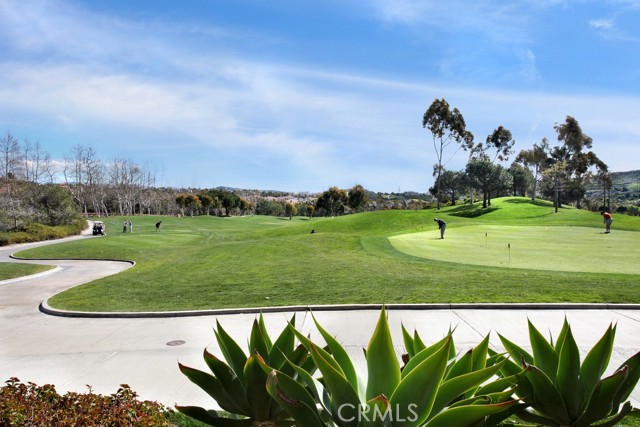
<point x="10" y="158"/>
<point x="38" y="166"/>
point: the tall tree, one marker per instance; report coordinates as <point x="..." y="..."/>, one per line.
<point x="10" y="158"/>
<point x="447" y="127"/>
<point x="357" y="198"/>
<point x="332" y="202"/>
<point x="536" y="158"/>
<point x="578" y="160"/>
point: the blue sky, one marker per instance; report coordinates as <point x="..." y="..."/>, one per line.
<point x="301" y="96"/>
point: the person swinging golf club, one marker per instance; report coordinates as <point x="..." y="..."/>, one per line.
<point x="441" y="225"/>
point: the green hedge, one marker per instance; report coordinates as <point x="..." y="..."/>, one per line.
<point x="35" y="232"/>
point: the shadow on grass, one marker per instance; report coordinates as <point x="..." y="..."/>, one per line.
<point x="522" y="201"/>
<point x="472" y="211"/>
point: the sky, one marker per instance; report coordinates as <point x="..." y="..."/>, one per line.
<point x="301" y="96"/>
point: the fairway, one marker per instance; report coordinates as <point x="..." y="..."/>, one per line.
<point x="556" y="248"/>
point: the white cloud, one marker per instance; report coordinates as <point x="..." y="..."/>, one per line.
<point x="602" y="24"/>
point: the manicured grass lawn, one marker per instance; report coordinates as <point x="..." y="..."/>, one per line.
<point x="11" y="270"/>
<point x="208" y="262"/>
<point x="559" y="248"/>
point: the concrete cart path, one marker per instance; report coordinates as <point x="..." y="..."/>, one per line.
<point x="144" y="352"/>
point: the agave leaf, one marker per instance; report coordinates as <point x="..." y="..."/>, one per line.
<point x="305" y="378"/>
<point x="597" y="360"/>
<point x="502" y="396"/>
<point x="229" y="381"/>
<point x="544" y="355"/>
<point x="265" y="333"/>
<point x="408" y="341"/>
<point x="257" y="395"/>
<point x="382" y="364"/>
<point x="284" y="345"/>
<point x="461" y="366"/>
<point x="517" y="353"/>
<point x="626" y="410"/>
<point x="480" y="354"/>
<point x="213" y="387"/>
<point x="498" y="385"/>
<point x="294" y="398"/>
<point x="454" y="387"/>
<point x="601" y="401"/>
<point x="545" y="398"/>
<point x="568" y="380"/>
<point x="377" y="412"/>
<point x="467" y="415"/>
<point x="418" y="344"/>
<point x="424" y="354"/>
<point x="211" y="417"/>
<point x="633" y="363"/>
<point x="509" y="369"/>
<point x="258" y="342"/>
<point x="231" y="351"/>
<point x="417" y="391"/>
<point x="340" y="355"/>
<point x="531" y="417"/>
<point x="561" y="335"/>
<point x="342" y="394"/>
<point x="497" y="419"/>
<point x="308" y="344"/>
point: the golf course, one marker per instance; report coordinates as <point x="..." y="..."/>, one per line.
<point x="514" y="251"/>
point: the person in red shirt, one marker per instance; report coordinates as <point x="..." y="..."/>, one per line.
<point x="607" y="221"/>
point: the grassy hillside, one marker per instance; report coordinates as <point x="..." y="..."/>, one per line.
<point x="208" y="262"/>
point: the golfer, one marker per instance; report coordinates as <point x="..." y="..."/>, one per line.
<point x="608" y="219"/>
<point x="441" y="225"/>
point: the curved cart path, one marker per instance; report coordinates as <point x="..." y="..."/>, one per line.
<point x="143" y="352"/>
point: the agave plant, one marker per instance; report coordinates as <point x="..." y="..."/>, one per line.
<point x="239" y="385"/>
<point x="563" y="392"/>
<point x="429" y="390"/>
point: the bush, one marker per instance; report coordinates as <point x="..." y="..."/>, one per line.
<point x="35" y="232"/>
<point x="31" y="405"/>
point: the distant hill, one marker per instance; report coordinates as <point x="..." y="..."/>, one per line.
<point x="625" y="191"/>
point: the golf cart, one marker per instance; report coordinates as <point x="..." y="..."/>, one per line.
<point x="98" y="228"/>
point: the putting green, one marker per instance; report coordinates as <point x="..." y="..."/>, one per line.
<point x="538" y="248"/>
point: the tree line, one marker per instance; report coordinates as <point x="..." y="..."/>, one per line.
<point x="559" y="173"/>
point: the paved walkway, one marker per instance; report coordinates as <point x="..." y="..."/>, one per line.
<point x="142" y="352"/>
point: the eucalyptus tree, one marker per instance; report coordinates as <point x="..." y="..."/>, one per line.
<point x="332" y="202"/>
<point x="447" y="127"/>
<point x="536" y="158"/>
<point x="357" y="198"/>
<point x="578" y="160"/>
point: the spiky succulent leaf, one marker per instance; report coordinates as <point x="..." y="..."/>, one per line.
<point x="294" y="398"/>
<point x="233" y="354"/>
<point x="602" y="398"/>
<point x="213" y="387"/>
<point x="343" y="396"/>
<point x="408" y="341"/>
<point x="633" y="363"/>
<point x="257" y="395"/>
<point x="544" y="398"/>
<point x="544" y="355"/>
<point x="480" y="354"/>
<point x="258" y="342"/>
<point x="417" y="391"/>
<point x="423" y="354"/>
<point x="452" y="388"/>
<point x="461" y="366"/>
<point x="382" y="363"/>
<point x="283" y="346"/>
<point x="568" y="380"/>
<point x="340" y="355"/>
<point x="211" y="417"/>
<point x="232" y="385"/>
<point x="597" y="360"/>
<point x="468" y="415"/>
<point x="516" y="352"/>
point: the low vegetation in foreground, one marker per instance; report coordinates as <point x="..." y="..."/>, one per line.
<point x="252" y="261"/>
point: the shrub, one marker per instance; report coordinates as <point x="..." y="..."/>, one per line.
<point x="31" y="405"/>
